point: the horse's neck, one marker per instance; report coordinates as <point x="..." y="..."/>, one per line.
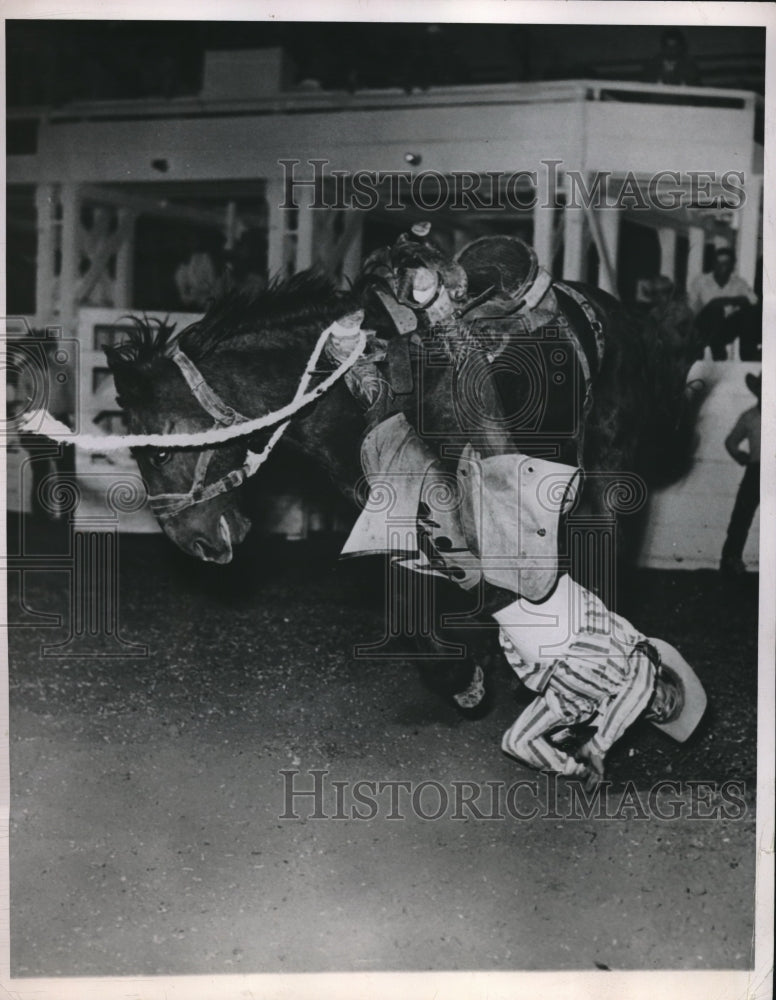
<point x="330" y="436"/>
<point x="328" y="432"/>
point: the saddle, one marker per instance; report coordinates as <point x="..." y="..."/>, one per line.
<point x="505" y="279"/>
<point x="493" y="291"/>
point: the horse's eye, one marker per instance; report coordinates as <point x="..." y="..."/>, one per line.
<point x="159" y="458"/>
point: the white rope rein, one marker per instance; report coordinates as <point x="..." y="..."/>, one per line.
<point x="41" y="422"/>
<point x="349" y="326"/>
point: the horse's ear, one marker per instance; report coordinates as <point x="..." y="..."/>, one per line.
<point x="131" y="384"/>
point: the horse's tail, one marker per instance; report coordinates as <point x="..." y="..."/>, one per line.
<point x="670" y="346"/>
<point x="645" y="412"/>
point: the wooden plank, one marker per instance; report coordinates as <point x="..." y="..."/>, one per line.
<point x="110" y="246"/>
<point x="68" y="274"/>
<point x="618" y="137"/>
<point x="125" y="262"/>
<point x="474" y="138"/>
<point x="298" y="100"/>
<point x="628" y="136"/>
<point x="46" y="196"/>
<point x="158" y="207"/>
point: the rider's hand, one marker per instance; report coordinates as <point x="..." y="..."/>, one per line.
<point x="594" y="765"/>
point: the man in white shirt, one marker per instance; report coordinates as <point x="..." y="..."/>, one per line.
<point x="725" y="307"/>
<point x="746" y="431"/>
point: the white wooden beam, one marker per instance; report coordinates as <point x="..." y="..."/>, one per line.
<point x="454" y="136"/>
<point x="451" y="138"/>
<point x="697" y="238"/>
<point x="543" y="221"/>
<point x="680" y="219"/>
<point x="69" y="253"/>
<point x="305" y="230"/>
<point x="749" y="216"/>
<point x="352" y="239"/>
<point x="125" y="261"/>
<point x="605" y="230"/>
<point x="574" y="243"/>
<point x="46" y="197"/>
<point x="324" y="241"/>
<point x="311" y="100"/>
<point x="667" y="237"/>
<point x="160" y="207"/>
<point x="109" y="246"/>
<point x="278" y="235"/>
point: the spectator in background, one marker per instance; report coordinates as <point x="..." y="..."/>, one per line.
<point x="198" y="280"/>
<point x="672" y="65"/>
<point x="669" y="308"/>
<point x="210" y="271"/>
<point x="672" y="320"/>
<point x="746" y="431"/>
<point x="725" y="307"/>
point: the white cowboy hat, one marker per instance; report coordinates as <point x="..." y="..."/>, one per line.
<point x="690" y="698"/>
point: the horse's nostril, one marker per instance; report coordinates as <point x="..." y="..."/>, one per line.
<point x="204" y="550"/>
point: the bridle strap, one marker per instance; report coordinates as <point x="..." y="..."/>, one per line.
<point x="167" y="505"/>
<point x="207" y="398"/>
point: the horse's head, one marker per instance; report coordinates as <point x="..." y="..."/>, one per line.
<point x="244" y="359"/>
<point x="210" y="528"/>
<point x="200" y="518"/>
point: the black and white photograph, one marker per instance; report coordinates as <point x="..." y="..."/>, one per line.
<point x="388" y="576"/>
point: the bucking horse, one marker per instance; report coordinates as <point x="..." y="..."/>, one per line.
<point x="558" y="370"/>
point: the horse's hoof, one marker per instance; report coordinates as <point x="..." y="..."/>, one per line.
<point x="472" y="702"/>
<point x="475" y="692"/>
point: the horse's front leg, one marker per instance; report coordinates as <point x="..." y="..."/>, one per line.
<point x="453" y="660"/>
<point x="463" y="682"/>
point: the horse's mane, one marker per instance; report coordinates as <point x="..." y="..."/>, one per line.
<point x="280" y="316"/>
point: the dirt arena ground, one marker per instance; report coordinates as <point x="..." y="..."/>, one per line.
<point x="147" y="796"/>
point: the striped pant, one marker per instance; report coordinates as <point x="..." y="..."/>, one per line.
<point x="611" y="692"/>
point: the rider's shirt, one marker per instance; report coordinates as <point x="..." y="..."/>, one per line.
<point x="571" y="625"/>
